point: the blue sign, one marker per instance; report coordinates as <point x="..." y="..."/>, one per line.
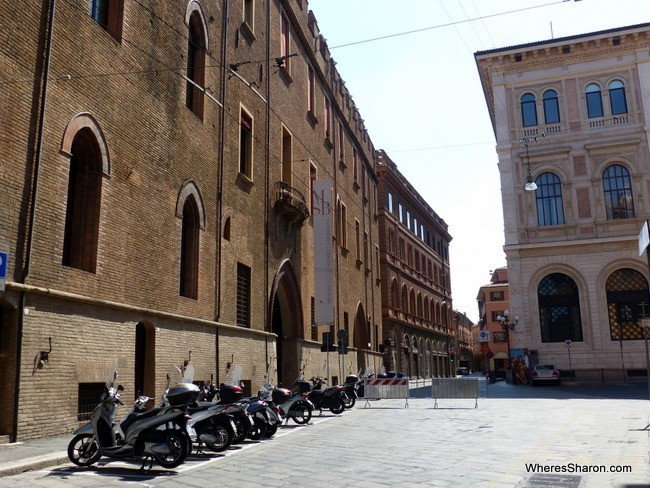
<point x="4" y="258"/>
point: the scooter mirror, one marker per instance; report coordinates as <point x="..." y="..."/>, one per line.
<point x="120" y="388"/>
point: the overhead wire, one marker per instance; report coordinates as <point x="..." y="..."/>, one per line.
<point x="217" y="64"/>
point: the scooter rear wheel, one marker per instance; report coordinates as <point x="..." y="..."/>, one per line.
<point x="178" y="450"/>
<point x="83" y="450"/>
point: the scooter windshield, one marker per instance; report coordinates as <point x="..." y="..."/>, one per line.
<point x="235" y="375"/>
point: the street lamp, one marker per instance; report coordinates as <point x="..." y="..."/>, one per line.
<point x="503" y="320"/>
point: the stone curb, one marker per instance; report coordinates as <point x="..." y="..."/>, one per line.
<point x="33" y="463"/>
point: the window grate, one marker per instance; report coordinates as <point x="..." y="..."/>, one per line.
<point x="89" y="395"/>
<point x="243" y="295"/>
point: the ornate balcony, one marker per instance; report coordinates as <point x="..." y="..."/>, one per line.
<point x="291" y="203"/>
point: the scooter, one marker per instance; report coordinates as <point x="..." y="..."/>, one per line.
<point x="160" y="437"/>
<point x="210" y="424"/>
<point x="288" y="405"/>
<point x="351" y="390"/>
<point x="331" y="397"/>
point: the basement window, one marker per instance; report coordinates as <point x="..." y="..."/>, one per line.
<point x="89" y="396"/>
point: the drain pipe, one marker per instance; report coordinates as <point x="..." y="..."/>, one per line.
<point x="222" y="130"/>
<point x="32" y="217"/>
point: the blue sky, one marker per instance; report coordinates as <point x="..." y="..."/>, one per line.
<point x="422" y="101"/>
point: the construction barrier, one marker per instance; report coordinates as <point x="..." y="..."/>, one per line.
<point x="385" y="388"/>
<point x="454" y="388"/>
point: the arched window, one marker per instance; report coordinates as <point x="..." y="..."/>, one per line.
<point x="626" y="290"/>
<point x="551" y="107"/>
<point x="196" y="47"/>
<point x="84" y="199"/>
<point x="420" y="313"/>
<point x="594" y="101"/>
<point x="559" y="309"/>
<point x="549" y="200"/>
<point x="405" y="300"/>
<point x="189" y="279"/>
<point x="528" y="110"/>
<point x="226" y="229"/>
<point x="617" y="99"/>
<point x="393" y="294"/>
<point x="412" y="309"/>
<point x="618" y="192"/>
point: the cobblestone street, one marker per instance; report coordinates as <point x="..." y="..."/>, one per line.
<point x="565" y="431"/>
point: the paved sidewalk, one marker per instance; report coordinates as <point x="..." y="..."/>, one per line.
<point x="33" y="454"/>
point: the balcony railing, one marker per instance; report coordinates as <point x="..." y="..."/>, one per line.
<point x="622" y="119"/>
<point x="291" y="203"/>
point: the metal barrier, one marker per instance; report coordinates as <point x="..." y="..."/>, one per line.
<point x="454" y="388"/>
<point x="386" y="388"/>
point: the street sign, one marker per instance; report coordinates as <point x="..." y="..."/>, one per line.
<point x="644" y="238"/>
<point x="452" y="347"/>
<point x="485" y="348"/>
<point x="4" y="260"/>
<point x="484" y="336"/>
<point x="489" y="355"/>
<point x="567" y="343"/>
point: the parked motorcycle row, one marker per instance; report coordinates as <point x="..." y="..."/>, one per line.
<point x="191" y="419"/>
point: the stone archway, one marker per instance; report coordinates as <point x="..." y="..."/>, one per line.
<point x="361" y="337"/>
<point x="286" y="321"/>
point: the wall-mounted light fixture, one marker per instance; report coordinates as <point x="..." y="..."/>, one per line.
<point x="42" y="358"/>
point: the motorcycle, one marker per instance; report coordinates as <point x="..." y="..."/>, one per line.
<point x="286" y="404"/>
<point x="161" y="438"/>
<point x="331" y="398"/>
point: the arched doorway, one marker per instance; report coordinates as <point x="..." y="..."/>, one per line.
<point x="144" y="381"/>
<point x="361" y="337"/>
<point x="287" y="323"/>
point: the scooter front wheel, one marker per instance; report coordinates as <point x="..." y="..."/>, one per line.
<point x="83" y="450"/>
<point x="338" y="409"/>
<point x="259" y="429"/>
<point x="224" y="438"/>
<point x="177" y="450"/>
<point x="349" y="401"/>
<point x="271" y="429"/>
<point x="300" y="414"/>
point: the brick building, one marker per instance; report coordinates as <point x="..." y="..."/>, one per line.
<point x="570" y="116"/>
<point x="155" y="200"/>
<point x="463" y="352"/>
<point x="415" y="278"/>
<point x="493" y="300"/>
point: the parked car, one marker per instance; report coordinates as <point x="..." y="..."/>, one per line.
<point x="545" y="373"/>
<point x="462" y="371"/>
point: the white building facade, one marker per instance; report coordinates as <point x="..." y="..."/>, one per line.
<point x="571" y="117"/>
